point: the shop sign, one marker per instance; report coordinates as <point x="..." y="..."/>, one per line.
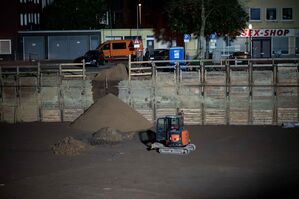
<point x="268" y="33"/>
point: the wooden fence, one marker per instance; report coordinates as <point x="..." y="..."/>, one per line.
<point x="43" y="92"/>
<point x="261" y="91"/>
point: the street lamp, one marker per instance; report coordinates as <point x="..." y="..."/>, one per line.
<point x="138" y="16"/>
<point x="250" y="29"/>
<point x="138" y="22"/>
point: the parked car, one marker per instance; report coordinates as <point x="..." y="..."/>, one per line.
<point x="160" y="54"/>
<point x="120" y="49"/>
<point x="238" y="56"/>
<point x="92" y="57"/>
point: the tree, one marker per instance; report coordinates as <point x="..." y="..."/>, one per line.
<point x="73" y="14"/>
<point x="204" y="17"/>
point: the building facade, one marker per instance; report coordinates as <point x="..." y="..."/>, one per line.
<point x="273" y="30"/>
<point x="17" y="15"/>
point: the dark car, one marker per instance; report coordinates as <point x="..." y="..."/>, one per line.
<point x="160" y="54"/>
<point x="92" y="57"/>
<point x="240" y="58"/>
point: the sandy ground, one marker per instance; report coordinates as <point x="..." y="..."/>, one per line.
<point x="230" y="162"/>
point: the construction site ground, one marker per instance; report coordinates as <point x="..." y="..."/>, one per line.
<point x="230" y="162"/>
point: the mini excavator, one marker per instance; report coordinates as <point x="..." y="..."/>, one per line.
<point x="171" y="137"/>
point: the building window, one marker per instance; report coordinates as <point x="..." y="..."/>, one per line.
<point x="287" y="14"/>
<point x="25" y="19"/>
<point x="255" y="13"/>
<point x="297" y="45"/>
<point x="5" y="46"/>
<point x="38" y="18"/>
<point x="280" y="45"/>
<point x="35" y="18"/>
<point x="271" y="14"/>
<point x="113" y="38"/>
<point x="29" y="18"/>
<point x="21" y="20"/>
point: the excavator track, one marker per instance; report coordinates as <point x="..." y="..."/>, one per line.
<point x="173" y="150"/>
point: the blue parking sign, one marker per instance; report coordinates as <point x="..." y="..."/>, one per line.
<point x="213" y="36"/>
<point x="187" y="37"/>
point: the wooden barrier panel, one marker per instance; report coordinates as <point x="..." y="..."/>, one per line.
<point x="51" y="115"/>
<point x="70" y="114"/>
<point x="257" y="93"/>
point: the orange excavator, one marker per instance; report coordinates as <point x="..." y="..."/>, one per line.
<point x="171" y="137"/>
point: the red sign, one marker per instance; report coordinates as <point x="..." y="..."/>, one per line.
<point x="136" y="41"/>
<point x="267" y="33"/>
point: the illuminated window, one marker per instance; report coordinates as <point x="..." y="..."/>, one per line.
<point x="25" y="19"/>
<point x="5" y="46"/>
<point x="38" y="18"/>
<point x="21" y="20"/>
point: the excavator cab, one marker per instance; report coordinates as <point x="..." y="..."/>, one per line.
<point x="170" y="131"/>
<point x="171" y="137"/>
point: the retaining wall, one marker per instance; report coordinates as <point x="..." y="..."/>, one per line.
<point x="266" y="97"/>
<point x="259" y="97"/>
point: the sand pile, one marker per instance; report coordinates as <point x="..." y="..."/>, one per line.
<point x="115" y="73"/>
<point x="69" y="146"/>
<point x="107" y="81"/>
<point x="110" y="111"/>
<point x="106" y="136"/>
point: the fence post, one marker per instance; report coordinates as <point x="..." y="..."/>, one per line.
<point x="129" y="67"/>
<point x="1" y="84"/>
<point x="250" y="84"/>
<point x="18" y="82"/>
<point x="154" y="84"/>
<point x="38" y="77"/>
<point x="298" y="90"/>
<point x="84" y="70"/>
<point x="129" y="83"/>
<point x="60" y="70"/>
<point x="202" y="82"/>
<point x="60" y="97"/>
<point x="274" y="82"/>
<point x="227" y="92"/>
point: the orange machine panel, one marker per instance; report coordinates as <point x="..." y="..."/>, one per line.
<point x="185" y="137"/>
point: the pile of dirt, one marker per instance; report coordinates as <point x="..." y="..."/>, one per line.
<point x="115" y="73"/>
<point x="110" y="111"/>
<point x="69" y="146"/>
<point x="106" y="81"/>
<point x="106" y="136"/>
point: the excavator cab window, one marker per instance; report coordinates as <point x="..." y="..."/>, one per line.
<point x="161" y="124"/>
<point x="174" y="123"/>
